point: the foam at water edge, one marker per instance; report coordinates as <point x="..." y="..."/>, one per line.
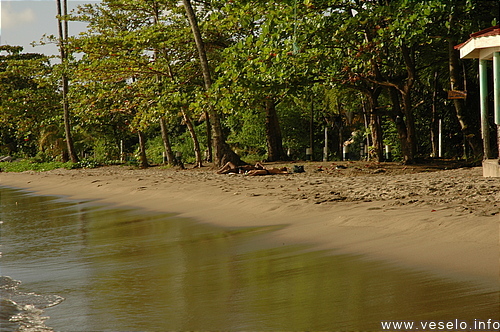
<point x="23" y="311"/>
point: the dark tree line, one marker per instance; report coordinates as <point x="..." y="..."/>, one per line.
<point x="222" y="80"/>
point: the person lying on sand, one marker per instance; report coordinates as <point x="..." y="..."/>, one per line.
<point x="267" y="171"/>
<point x="229" y="167"/>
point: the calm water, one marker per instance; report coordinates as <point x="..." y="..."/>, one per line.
<point x="130" y="270"/>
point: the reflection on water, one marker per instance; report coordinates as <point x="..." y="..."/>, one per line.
<point x="130" y="270"/>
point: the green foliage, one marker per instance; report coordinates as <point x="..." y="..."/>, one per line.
<point x="85" y="163"/>
<point x="184" y="145"/>
<point x="155" y="150"/>
<point x="29" y="100"/>
<point x="31" y="165"/>
<point x="295" y="119"/>
<point x="247" y="134"/>
<point x="105" y="151"/>
<point x="181" y="143"/>
<point x="391" y="139"/>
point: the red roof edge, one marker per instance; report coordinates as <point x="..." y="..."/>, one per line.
<point x="459" y="46"/>
<point x="491" y="31"/>
<point x="485" y="31"/>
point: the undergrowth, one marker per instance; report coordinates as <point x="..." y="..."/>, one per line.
<point x="31" y="165"/>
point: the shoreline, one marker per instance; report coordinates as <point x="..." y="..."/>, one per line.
<point x="445" y="221"/>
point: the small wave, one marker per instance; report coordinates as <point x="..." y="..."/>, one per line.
<point x="8" y="283"/>
<point x="23" y="311"/>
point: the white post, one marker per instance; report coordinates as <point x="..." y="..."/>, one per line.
<point x="325" y="149"/>
<point x="345" y="152"/>
<point x="440" y="139"/>
<point x="388" y="153"/>
<point x="483" y="93"/>
<point x="496" y="85"/>
<point x="121" y="151"/>
<point x="309" y="153"/>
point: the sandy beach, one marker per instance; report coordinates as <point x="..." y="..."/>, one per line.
<point x="424" y="217"/>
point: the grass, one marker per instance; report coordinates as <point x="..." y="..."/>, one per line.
<point x="30" y="165"/>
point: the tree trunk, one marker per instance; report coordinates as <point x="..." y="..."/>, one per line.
<point x="411" y="136"/>
<point x="401" y="127"/>
<point x="457" y="83"/>
<point x="63" y="35"/>
<point x="435" y="120"/>
<point x="143" y="159"/>
<point x="67" y="124"/>
<point x="274" y="138"/>
<point x="209" y="138"/>
<point x="409" y="59"/>
<point x="194" y="137"/>
<point x="377" y="138"/>
<point x="163" y="126"/>
<point x="375" y="124"/>
<point x="223" y="152"/>
<point x="166" y="142"/>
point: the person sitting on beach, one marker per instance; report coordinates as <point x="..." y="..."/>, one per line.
<point x="230" y="167"/>
<point x="267" y="171"/>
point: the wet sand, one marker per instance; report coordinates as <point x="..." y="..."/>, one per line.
<point x="423" y="217"/>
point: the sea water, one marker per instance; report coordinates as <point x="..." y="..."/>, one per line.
<point x="81" y="266"/>
<point x="21" y="310"/>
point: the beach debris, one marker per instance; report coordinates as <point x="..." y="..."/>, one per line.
<point x="298" y="168"/>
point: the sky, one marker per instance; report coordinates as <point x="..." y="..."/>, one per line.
<point x="23" y="22"/>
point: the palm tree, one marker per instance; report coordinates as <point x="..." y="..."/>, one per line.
<point x="63" y="38"/>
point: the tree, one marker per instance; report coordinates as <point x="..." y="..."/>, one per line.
<point x="223" y="152"/>
<point x="386" y="44"/>
<point x="268" y="61"/>
<point x="146" y="42"/>
<point x="459" y="19"/>
<point x="28" y="104"/>
<point x="121" y="50"/>
<point x="63" y="39"/>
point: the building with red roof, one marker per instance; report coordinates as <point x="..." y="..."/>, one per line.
<point x="485" y="46"/>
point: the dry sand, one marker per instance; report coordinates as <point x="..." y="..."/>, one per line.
<point x="424" y="217"/>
